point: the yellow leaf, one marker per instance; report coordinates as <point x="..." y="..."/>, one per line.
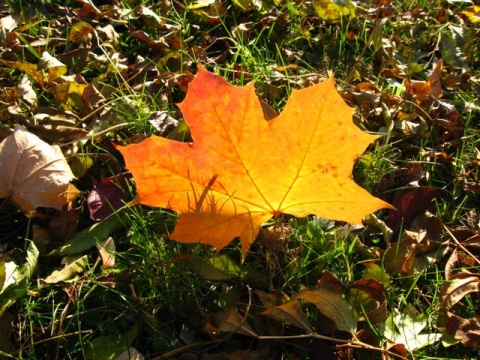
<point x="334" y="10"/>
<point x="473" y="13"/>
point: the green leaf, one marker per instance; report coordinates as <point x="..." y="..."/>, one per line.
<point x="93" y="235"/>
<point x="215" y="268"/>
<point x="407" y="329"/>
<point x="375" y="272"/>
<point x="69" y="271"/>
<point x="333" y="306"/>
<point x="109" y="347"/>
<point x="81" y="30"/>
<point x="451" y="50"/>
<point x="289" y="313"/>
<point x="17" y="277"/>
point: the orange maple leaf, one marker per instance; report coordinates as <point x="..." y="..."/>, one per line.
<point x="241" y="170"/>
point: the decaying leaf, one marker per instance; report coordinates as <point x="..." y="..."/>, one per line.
<point x="228" y="321"/>
<point x="108" y="195"/>
<point x="289" y="313"/>
<point x="333" y="306"/>
<point x="466" y="330"/>
<point x="367" y="296"/>
<point x="89" y="237"/>
<point x="432" y="87"/>
<point x="418" y="249"/>
<point x="34" y="173"/>
<point x="112" y="346"/>
<point x="130" y="354"/>
<point x="220" y="267"/>
<point x="241" y="170"/>
<point x="409" y="204"/>
<point x="73" y="266"/>
<point x="107" y="252"/>
<point x="15" y="277"/>
<point x="44" y="73"/>
<point x="408" y="329"/>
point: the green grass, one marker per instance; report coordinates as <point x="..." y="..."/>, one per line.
<point x="159" y="289"/>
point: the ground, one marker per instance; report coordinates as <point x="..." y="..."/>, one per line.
<point x="88" y="272"/>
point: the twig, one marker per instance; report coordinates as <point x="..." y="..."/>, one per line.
<point x="57" y="337"/>
<point x="460" y="245"/>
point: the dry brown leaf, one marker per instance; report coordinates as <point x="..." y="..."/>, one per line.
<point x="34" y="174"/>
<point x="460" y="285"/>
<point x="107" y="251"/>
<point x="289" y="313"/>
<point x="228" y="321"/>
<point x="333" y="306"/>
<point x="467" y="331"/>
<point x="368" y="296"/>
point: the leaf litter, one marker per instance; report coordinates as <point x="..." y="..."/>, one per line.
<point x="420" y="63"/>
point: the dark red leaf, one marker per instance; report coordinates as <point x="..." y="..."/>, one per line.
<point x="409" y="204"/>
<point x="109" y="195"/>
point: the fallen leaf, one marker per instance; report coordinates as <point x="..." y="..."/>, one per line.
<point x="34" y="174"/>
<point x="472" y="13"/>
<point x="58" y="133"/>
<point x="274" y="237"/>
<point x="275" y="298"/>
<point x="367" y="296"/>
<point x="459" y="285"/>
<point x="333" y="306"/>
<point x="107" y="252"/>
<point x="15" y="278"/>
<point x="73" y="265"/>
<point x="289" y="313"/>
<point x="163" y="122"/>
<point x="432" y="86"/>
<point x="220" y="267"/>
<point x="228" y="321"/>
<point x="52" y="66"/>
<point x="466" y="330"/>
<point x="41" y="238"/>
<point x="108" y="195"/>
<point x="330" y="282"/>
<point x="408" y="329"/>
<point x="112" y="346"/>
<point x="375" y="272"/>
<point x="26" y="91"/>
<point x="44" y="73"/>
<point x="334" y="10"/>
<point x="435" y="80"/>
<point x="418" y="249"/>
<point x="91" y="236"/>
<point x="130" y="354"/>
<point x="409" y="204"/>
<point x="241" y="170"/>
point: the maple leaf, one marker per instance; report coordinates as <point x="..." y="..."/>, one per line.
<point x="241" y="170"/>
<point x="34" y="173"/>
